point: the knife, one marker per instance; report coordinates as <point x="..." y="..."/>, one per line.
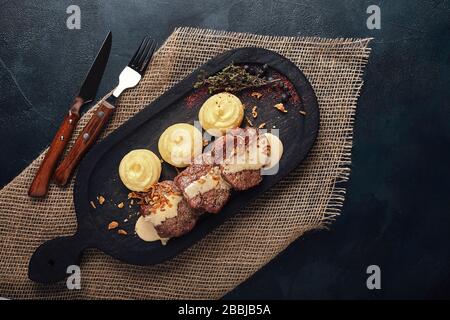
<point x="88" y="90"/>
<point x="128" y="78"/>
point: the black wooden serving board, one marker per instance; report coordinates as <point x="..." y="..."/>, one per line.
<point x="98" y="172"/>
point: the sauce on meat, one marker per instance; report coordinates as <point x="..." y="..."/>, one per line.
<point x="252" y="157"/>
<point x="147" y="232"/>
<point x="211" y="180"/>
<point x="167" y="211"/>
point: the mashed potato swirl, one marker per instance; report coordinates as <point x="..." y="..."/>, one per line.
<point x="179" y="144"/>
<point x="221" y="112"/>
<point x="139" y="169"/>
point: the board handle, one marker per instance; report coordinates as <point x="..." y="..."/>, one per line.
<point x="50" y="262"/>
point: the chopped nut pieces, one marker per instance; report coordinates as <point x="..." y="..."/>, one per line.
<point x="122" y="232"/>
<point x="157" y="196"/>
<point x="254" y="112"/>
<point x="256" y="95"/>
<point x="93" y="205"/>
<point x="280" y="107"/>
<point x="113" y="225"/>
<point x="303" y="113"/>
<point x="262" y="125"/>
<point x="249" y="122"/>
<point x="120" y="205"/>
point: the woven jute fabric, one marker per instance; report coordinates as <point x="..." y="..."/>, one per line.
<point x="309" y="198"/>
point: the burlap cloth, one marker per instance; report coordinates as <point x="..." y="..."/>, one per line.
<point x="307" y="199"/>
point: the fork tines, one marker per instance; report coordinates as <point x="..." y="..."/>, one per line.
<point x="142" y="57"/>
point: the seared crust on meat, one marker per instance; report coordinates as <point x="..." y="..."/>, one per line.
<point x="181" y="224"/>
<point x="211" y="201"/>
<point x="243" y="180"/>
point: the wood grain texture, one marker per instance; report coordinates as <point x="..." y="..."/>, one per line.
<point x="85" y="140"/>
<point x="41" y="181"/>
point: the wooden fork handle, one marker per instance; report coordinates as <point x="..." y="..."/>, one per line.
<point x="40" y="183"/>
<point x="85" y="140"/>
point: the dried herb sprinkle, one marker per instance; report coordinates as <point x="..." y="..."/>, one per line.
<point x="232" y="78"/>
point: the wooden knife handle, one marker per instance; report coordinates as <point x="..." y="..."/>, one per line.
<point x="39" y="186"/>
<point x="85" y="140"/>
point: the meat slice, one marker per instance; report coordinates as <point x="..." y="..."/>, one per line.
<point x="181" y="224"/>
<point x="243" y="179"/>
<point x="203" y="187"/>
<point x="176" y="223"/>
<point x="231" y="162"/>
<point x="242" y="166"/>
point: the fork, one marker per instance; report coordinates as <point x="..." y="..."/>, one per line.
<point x="129" y="78"/>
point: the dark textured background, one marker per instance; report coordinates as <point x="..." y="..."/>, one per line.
<point x="397" y="211"/>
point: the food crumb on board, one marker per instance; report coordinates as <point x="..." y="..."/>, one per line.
<point x="262" y="125"/>
<point x="254" y="112"/>
<point x="256" y="95"/>
<point x="249" y="122"/>
<point x="120" y="205"/>
<point x="93" y="205"/>
<point x="113" y="225"/>
<point x="280" y="107"/>
<point x="303" y="113"/>
<point x="122" y="232"/>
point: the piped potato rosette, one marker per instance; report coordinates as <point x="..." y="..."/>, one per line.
<point x="179" y="144"/>
<point x="139" y="169"/>
<point x="221" y="112"/>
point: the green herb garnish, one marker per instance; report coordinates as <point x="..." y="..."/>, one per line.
<point x="232" y="78"/>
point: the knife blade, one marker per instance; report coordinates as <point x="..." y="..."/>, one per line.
<point x="93" y="78"/>
<point x="88" y="90"/>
